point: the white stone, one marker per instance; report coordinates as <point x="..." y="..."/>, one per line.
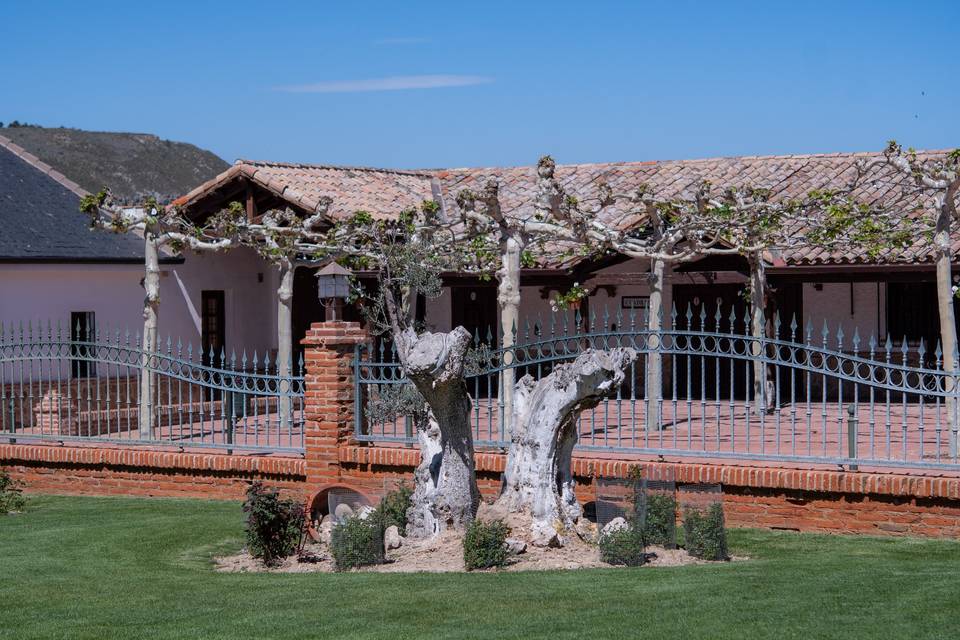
<point x="543" y="535"/>
<point x="326" y="530"/>
<point x="343" y="511"/>
<point x="617" y="524"/>
<point x="364" y="511"/>
<point x="391" y="538"/>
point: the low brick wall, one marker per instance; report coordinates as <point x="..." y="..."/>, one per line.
<point x="763" y="497"/>
<point x="128" y="471"/>
<point x="823" y="501"/>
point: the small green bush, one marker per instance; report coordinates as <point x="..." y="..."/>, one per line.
<point x="705" y="533"/>
<point x="392" y="510"/>
<point x="623" y="547"/>
<point x="275" y="525"/>
<point x="357" y="542"/>
<point x="484" y="545"/>
<point x="660" y="527"/>
<point x="11" y="494"/>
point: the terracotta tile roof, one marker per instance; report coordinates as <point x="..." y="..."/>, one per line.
<point x="786" y="176"/>
<point x="383" y="193"/>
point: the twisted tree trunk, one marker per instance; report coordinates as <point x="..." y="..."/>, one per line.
<point x="539" y="478"/>
<point x="446" y="494"/>
<point x="421" y="518"/>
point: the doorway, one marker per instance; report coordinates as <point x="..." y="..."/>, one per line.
<point x="475" y="308"/>
<point x="212" y="327"/>
<point x="711" y="377"/>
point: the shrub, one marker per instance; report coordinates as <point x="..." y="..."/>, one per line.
<point x="393" y="508"/>
<point x="275" y="525"/>
<point x="704" y="532"/>
<point x="484" y="545"/>
<point x="11" y="494"/>
<point x="357" y="542"/>
<point x="623" y="547"/>
<point x="660" y="527"/>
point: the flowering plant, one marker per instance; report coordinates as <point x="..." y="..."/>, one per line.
<point x="571" y="299"/>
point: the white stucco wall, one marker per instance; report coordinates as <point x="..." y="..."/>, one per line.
<point x="250" y="304"/>
<point x="50" y="292"/>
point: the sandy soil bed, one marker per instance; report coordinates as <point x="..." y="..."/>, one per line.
<point x="445" y="554"/>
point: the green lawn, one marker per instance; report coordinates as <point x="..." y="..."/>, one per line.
<point x="139" y="568"/>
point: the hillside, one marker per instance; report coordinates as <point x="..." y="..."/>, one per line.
<point x="131" y="164"/>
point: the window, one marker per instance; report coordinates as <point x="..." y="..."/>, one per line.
<point x="82" y="333"/>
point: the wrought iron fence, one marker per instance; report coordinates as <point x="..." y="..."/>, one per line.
<point x="106" y="388"/>
<point x="826" y="397"/>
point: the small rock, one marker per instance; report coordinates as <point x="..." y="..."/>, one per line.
<point x="586" y="530"/>
<point x="343" y="511"/>
<point x="391" y="537"/>
<point x="326" y="530"/>
<point x="364" y="511"/>
<point x="543" y="535"/>
<point x="516" y="546"/>
<point x="490" y="512"/>
<point x="617" y="524"/>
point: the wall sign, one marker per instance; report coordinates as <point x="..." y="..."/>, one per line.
<point x="635" y="302"/>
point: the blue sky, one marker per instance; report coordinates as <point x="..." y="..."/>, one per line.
<point x="415" y="84"/>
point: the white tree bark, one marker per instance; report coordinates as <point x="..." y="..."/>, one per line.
<point x="421" y="516"/>
<point x="447" y="497"/>
<point x="539" y="477"/>
<point x="945" y="297"/>
<point x="151" y="313"/>
<point x="762" y="388"/>
<point x="284" y="336"/>
<point x="508" y="298"/>
<point x="654" y="373"/>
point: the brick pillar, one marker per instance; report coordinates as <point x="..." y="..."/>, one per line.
<point x="328" y="398"/>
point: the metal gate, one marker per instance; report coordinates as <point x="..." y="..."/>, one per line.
<point x="106" y="388"/>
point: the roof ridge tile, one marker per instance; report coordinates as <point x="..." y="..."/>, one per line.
<point x="425" y="173"/>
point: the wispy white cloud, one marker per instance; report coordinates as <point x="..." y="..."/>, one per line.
<point x="401" y="41"/>
<point x="392" y="83"/>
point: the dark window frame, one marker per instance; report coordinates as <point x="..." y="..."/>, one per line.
<point x="212" y="299"/>
<point x="83" y="330"/>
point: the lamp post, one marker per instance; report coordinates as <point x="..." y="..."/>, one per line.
<point x="333" y="287"/>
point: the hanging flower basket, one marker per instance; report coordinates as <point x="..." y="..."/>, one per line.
<point x="571" y="299"/>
